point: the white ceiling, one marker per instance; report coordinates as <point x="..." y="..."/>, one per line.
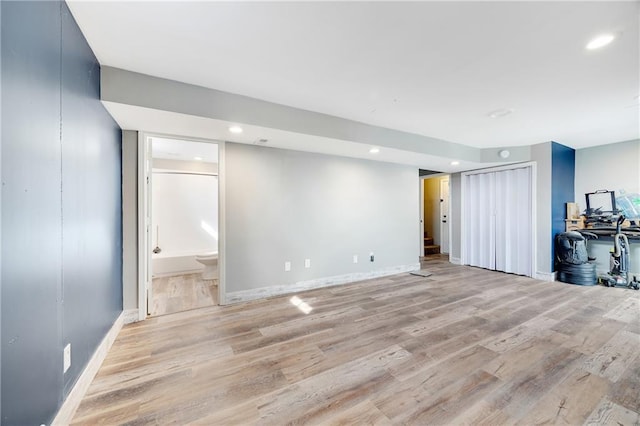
<point x="433" y="68"/>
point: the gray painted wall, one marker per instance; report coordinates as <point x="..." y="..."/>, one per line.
<point x="290" y="206"/>
<point x="455" y="210"/>
<point x="541" y="154"/>
<point x="612" y="167"/>
<point x="129" y="219"/>
<point x="61" y="240"/>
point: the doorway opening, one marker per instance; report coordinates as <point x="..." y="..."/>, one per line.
<point x="434" y="194"/>
<point x="180" y="237"/>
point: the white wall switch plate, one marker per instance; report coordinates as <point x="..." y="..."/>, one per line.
<point x="355" y="258"/>
<point x="66" y="358"/>
<point x="307" y="263"/>
<point x="287" y="266"/>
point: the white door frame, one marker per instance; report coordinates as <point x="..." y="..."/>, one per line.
<point x="448" y="223"/>
<point x="144" y="220"/>
<point x="421" y="197"/>
<point x="422" y="179"/>
<point x="534" y="245"/>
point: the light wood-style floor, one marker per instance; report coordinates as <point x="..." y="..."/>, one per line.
<point x="182" y="293"/>
<point x="463" y="346"/>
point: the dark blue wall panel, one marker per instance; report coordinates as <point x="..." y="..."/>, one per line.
<point x="91" y="231"/>
<point x="31" y="205"/>
<point x="563" y="168"/>
<point x="61" y="244"/>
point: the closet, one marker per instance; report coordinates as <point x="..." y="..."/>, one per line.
<point x="497" y="219"/>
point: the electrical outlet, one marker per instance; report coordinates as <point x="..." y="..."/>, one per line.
<point x="307" y="263"/>
<point x="287" y="266"/>
<point x="66" y="358"/>
<point x="355" y="258"/>
<point x="371" y="258"/>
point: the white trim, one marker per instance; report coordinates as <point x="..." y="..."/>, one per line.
<point x="450" y="220"/>
<point x="455" y="260"/>
<point x="222" y="221"/>
<point x="545" y="276"/>
<point x="264" y="292"/>
<point x="422" y="224"/>
<point x="129" y="316"/>
<point x="499" y="168"/>
<point x="72" y="401"/>
<point x="534" y="217"/>
<point x="446" y="178"/>
<point x="181" y="172"/>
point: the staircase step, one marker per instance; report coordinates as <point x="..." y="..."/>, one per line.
<point x="431" y="249"/>
<point x="428" y="241"/>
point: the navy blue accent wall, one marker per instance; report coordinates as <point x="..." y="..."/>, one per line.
<point x="563" y="171"/>
<point x="91" y="203"/>
<point x="61" y="208"/>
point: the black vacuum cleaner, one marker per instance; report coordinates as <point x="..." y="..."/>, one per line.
<point x="618" y="275"/>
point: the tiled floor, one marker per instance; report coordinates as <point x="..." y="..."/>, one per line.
<point x="182" y="293"/>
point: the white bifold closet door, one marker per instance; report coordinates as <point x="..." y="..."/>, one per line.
<point x="498" y="220"/>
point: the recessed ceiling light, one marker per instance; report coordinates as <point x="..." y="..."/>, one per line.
<point x="600" y="41"/>
<point x="455" y="163"/>
<point x="374" y="150"/>
<point x="502" y="112"/>
<point x="504" y="153"/>
<point x="235" y="129"/>
<point x="197" y="158"/>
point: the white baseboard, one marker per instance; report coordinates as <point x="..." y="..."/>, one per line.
<point x="72" y="401"/>
<point x="545" y="276"/>
<point x="264" y="292"/>
<point x="130" y="315"/>
<point x="455" y="260"/>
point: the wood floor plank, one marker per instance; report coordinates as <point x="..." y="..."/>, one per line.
<point x="627" y="311"/>
<point x="364" y="413"/>
<point x="614" y="356"/>
<point x="626" y="391"/>
<point x="462" y="346"/>
<point x="570" y="402"/>
<point x="609" y="413"/>
<point x="313" y="396"/>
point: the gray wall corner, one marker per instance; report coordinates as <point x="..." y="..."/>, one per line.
<point x="130" y="219"/>
<point x="455" y="207"/>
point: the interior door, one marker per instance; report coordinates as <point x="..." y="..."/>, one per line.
<point x="444" y="215"/>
